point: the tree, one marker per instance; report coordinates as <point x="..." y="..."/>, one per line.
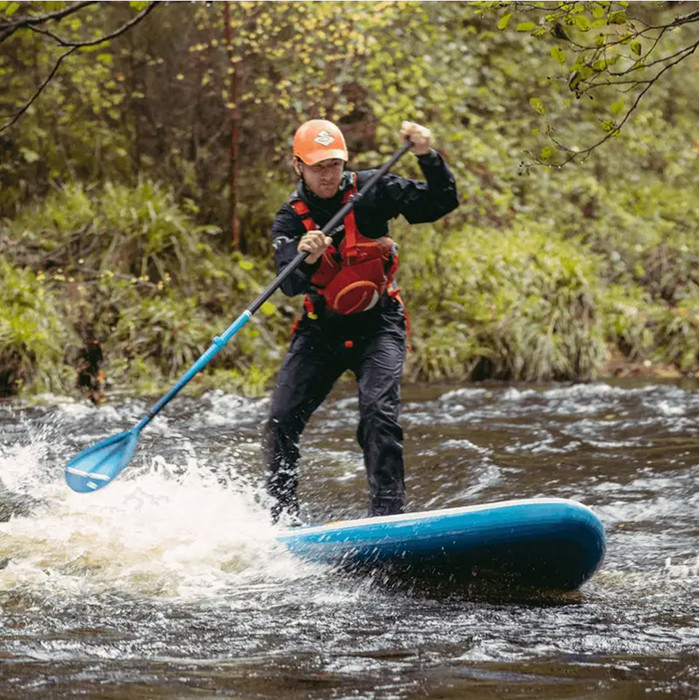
<point x="610" y="52"/>
<point x="33" y="22"/>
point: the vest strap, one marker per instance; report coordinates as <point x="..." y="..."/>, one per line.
<point x="353" y="275"/>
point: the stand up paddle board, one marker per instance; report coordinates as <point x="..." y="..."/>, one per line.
<point x="544" y="544"/>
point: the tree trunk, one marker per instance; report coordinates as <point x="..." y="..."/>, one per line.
<point x="234" y="94"/>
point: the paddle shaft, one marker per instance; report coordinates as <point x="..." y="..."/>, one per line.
<point x="219" y="341"/>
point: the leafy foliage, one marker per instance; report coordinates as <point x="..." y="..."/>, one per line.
<point x="134" y="275"/>
<point x="117" y="182"/>
<point x="32" y="333"/>
<point x="613" y="53"/>
<point x="520" y="305"/>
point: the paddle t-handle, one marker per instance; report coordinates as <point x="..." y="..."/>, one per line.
<point x="96" y="466"/>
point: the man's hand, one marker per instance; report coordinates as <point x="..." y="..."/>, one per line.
<point x="421" y="137"/>
<point x="315" y="243"/>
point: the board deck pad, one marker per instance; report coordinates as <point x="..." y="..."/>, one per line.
<point x="546" y="544"/>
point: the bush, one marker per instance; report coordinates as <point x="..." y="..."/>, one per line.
<point x="676" y="335"/>
<point x="33" y="334"/>
<point x="137" y="279"/>
<point x="124" y="282"/>
<point x="506" y="304"/>
<point x="138" y="231"/>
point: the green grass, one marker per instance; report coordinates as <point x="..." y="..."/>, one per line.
<point x="521" y="300"/>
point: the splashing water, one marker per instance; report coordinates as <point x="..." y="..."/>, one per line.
<point x="170" y="580"/>
<point x="167" y="529"/>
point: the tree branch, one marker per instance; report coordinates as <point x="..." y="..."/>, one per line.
<point x="686" y="19"/>
<point x="9" y="28"/>
<point x="74" y="46"/>
<point x="615" y="131"/>
<point x="592" y="68"/>
<point x="118" y="32"/>
<point x="682" y="53"/>
<point x="38" y="91"/>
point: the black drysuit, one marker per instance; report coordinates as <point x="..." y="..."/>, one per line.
<point x="371" y="344"/>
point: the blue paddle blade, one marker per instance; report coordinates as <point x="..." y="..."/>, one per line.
<point x="96" y="466"/>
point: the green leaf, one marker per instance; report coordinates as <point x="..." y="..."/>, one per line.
<point x="583" y="23"/>
<point x="504" y="21"/>
<point x="245" y="264"/>
<point x="29" y="155"/>
<point x="609" y="126"/>
<point x="636" y="47"/>
<point x="547" y="152"/>
<point x="598" y="11"/>
<point x="618" y="17"/>
<point x="268" y="308"/>
<point x="558" y="54"/>
<point x="105" y="58"/>
<point x="11" y="9"/>
<point x="526" y="26"/>
<point x="537" y="105"/>
<point x="617" y="107"/>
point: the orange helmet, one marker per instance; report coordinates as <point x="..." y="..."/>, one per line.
<point x="319" y="139"/>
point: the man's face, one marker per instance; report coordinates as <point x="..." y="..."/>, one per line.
<point x="323" y="178"/>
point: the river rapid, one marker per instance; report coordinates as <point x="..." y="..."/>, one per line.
<point x="168" y="583"/>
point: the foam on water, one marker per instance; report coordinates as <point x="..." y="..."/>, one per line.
<point x="162" y="529"/>
<point x="463" y="444"/>
<point x="225" y="410"/>
<point x="687" y="568"/>
<point x="463" y="394"/>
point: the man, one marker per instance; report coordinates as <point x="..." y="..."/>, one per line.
<point x="353" y="318"/>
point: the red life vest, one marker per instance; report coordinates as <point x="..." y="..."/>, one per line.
<point x="352" y="278"/>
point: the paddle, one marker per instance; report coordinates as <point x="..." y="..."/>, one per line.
<point x="96" y="466"/>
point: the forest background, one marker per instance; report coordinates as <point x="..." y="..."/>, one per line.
<point x="145" y="149"/>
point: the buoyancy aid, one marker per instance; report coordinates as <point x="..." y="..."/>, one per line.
<point x="352" y="277"/>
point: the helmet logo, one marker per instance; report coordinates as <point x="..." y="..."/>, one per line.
<point x="324" y="138"/>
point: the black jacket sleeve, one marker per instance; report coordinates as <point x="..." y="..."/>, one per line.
<point x="287" y="229"/>
<point x="419" y="201"/>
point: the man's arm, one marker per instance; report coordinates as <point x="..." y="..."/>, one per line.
<point x="420" y="201"/>
<point x="287" y="230"/>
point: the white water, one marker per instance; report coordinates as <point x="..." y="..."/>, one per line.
<point x="169" y="580"/>
<point x="162" y="529"/>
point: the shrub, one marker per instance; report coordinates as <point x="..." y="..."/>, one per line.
<point x="509" y="304"/>
<point x="33" y="335"/>
<point x="138" y="279"/>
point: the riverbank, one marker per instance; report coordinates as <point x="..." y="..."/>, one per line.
<point x="119" y="287"/>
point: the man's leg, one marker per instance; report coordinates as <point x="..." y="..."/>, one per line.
<point x="307" y="375"/>
<point x="379" y="373"/>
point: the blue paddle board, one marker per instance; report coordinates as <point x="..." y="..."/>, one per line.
<point x="543" y="544"/>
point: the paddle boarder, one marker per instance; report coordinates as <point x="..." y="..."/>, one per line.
<point x="353" y="317"/>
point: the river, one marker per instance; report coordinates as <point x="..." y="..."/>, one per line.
<point x="168" y="583"/>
